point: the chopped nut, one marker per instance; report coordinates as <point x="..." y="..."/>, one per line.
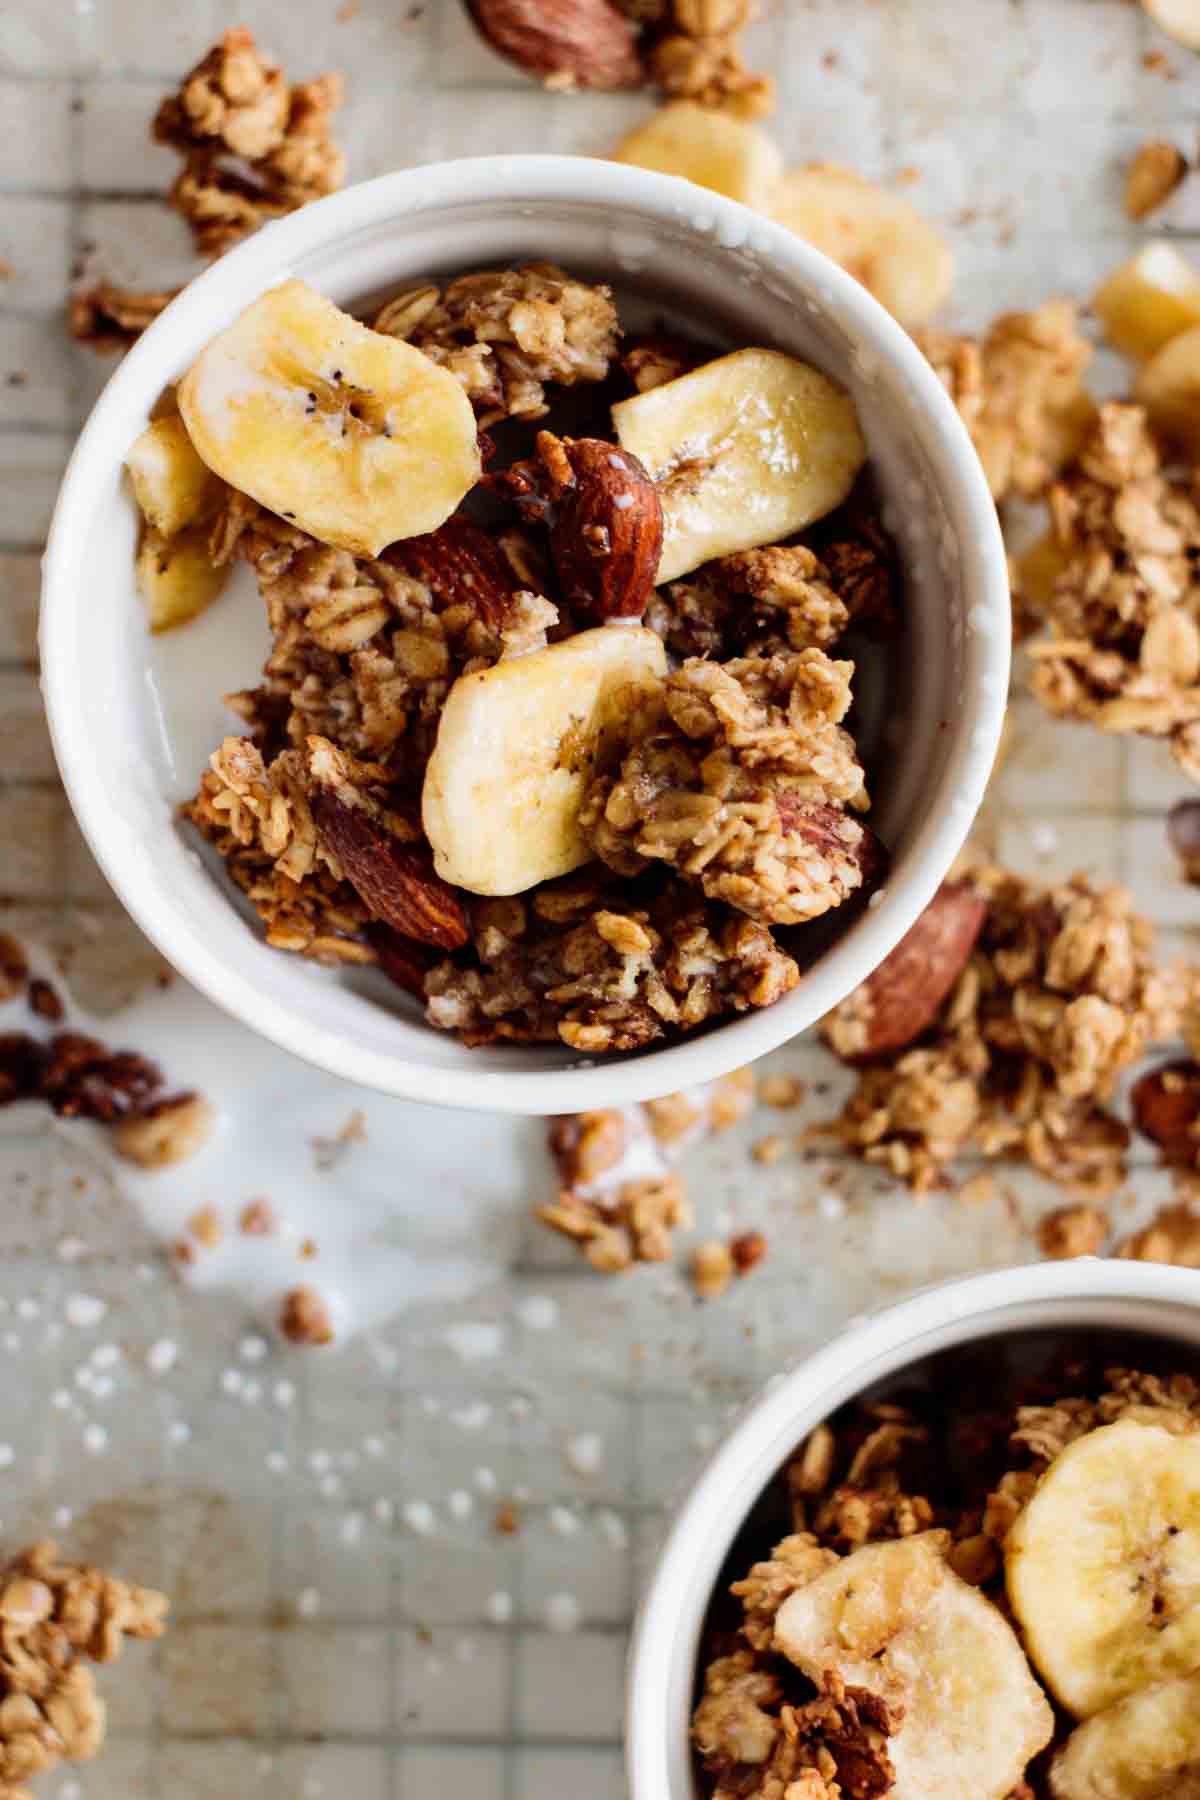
<point x="1073" y="1231"/>
<point x="304" y="1317"/>
<point x="1172" y="1236"/>
<point x="1155" y="172"/>
<point x="167" y="1132"/>
<point x="747" y="1250"/>
<point x="711" y="1269"/>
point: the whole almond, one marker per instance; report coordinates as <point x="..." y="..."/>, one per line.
<point x="1166" y="1107"/>
<point x="461" y="564"/>
<point x="604" y="518"/>
<point x="402" y="959"/>
<point x="902" y="998"/>
<point x="565" y="43"/>
<point x="397" y="881"/>
<point x="824" y="827"/>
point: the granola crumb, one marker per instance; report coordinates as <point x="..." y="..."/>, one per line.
<point x="732" y="1098"/>
<point x="45" y="1001"/>
<point x="14" y="967"/>
<point x="257" y="1219"/>
<point x="1172" y="1236"/>
<point x="328" y="1152"/>
<point x="206" y="1228"/>
<point x="748" y="1249"/>
<point x="235" y="111"/>
<point x="304" y="1317"/>
<point x="109" y="318"/>
<point x="980" y="1190"/>
<point x="710" y="1269"/>
<point x="1155" y="172"/>
<point x="781" y="1090"/>
<point x="1073" y="1231"/>
<point x="54" y="1618"/>
<point x="507" y="1522"/>
<point x="769" y="1150"/>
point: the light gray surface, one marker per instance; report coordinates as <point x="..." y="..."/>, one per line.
<point x="1016" y="117"/>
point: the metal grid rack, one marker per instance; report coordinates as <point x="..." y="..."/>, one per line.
<point x="347" y="1619"/>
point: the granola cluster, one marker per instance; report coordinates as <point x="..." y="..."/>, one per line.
<point x="1122" y="649"/>
<point x="253" y="147"/>
<point x="506" y="334"/>
<point x="745" y="784"/>
<point x="719" y="799"/>
<point x="1020" y="393"/>
<point x="879" y="1471"/>
<point x="55" y="1617"/>
<point x="1061" y="994"/>
<point x="106" y="317"/>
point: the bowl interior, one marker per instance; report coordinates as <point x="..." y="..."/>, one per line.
<point x="734" y="1507"/>
<point x="134" y="719"/>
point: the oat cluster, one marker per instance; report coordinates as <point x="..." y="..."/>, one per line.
<point x="55" y="1618"/>
<point x="1061" y="995"/>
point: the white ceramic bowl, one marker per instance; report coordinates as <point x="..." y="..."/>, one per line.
<point x="133" y="719"/>
<point x="1085" y="1294"/>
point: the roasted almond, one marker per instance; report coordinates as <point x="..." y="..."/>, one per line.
<point x="565" y="43"/>
<point x="605" y="521"/>
<point x="1166" y="1108"/>
<point x="397" y="881"/>
<point x="402" y="959"/>
<point x="901" y="999"/>
<point x="460" y="564"/>
<point x="823" y="826"/>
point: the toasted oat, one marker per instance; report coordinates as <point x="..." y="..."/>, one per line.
<point x="509" y="334"/>
<point x="106" y="317"/>
<point x="1061" y="995"/>
<point x="1123" y="646"/>
<point x="1020" y="393"/>
<point x="54" y="1617"/>
<point x="253" y="147"/>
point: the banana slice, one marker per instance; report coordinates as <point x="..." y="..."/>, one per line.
<point x="894" y="1619"/>
<point x="1148" y="300"/>
<point x="746" y="450"/>
<point x="518" y="745"/>
<point x="711" y="148"/>
<point x="1180" y="19"/>
<point x="877" y="237"/>
<point x="1168" y="386"/>
<point x="176" y="576"/>
<point x="170" y="483"/>
<point x="354" y="436"/>
<point x="1103" y="1564"/>
<point x="1146" y="1747"/>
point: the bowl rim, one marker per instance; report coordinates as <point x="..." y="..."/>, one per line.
<point x="621" y="190"/>
<point x="672" y="1608"/>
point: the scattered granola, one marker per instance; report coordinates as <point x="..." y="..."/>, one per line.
<point x="106" y="317"/>
<point x="710" y="1269"/>
<point x="1060" y="995"/>
<point x="1020" y="393"/>
<point x="1073" y="1231"/>
<point x="304" y="1318"/>
<point x="55" y="1617"/>
<point x="1152" y="177"/>
<point x="165" y="1132"/>
<point x="253" y="148"/>
<point x="1172" y="1236"/>
<point x="1123" y="646"/>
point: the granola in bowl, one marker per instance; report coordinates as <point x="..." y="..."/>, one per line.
<point x="973" y="1579"/>
<point x="557" y="728"/>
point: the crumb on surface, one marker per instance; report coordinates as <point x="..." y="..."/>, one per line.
<point x="304" y="1318"/>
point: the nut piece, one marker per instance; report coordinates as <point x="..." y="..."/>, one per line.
<point x="605" y="520"/>
<point x="565" y="43"/>
<point x="304" y="1317"/>
<point x="397" y="881"/>
<point x="711" y="1269"/>
<point x="1155" y="172"/>
<point x="747" y="1251"/>
<point x="895" y="1005"/>
<point x="1166" y="1107"/>
<point x="168" y="1132"/>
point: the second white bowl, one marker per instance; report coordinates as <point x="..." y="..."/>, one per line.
<point x="133" y="721"/>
